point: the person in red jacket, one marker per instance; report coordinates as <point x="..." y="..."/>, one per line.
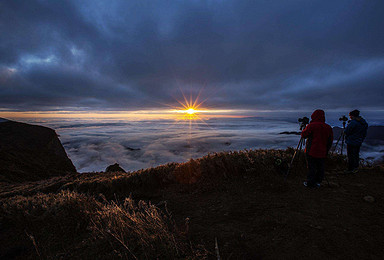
<point x="319" y="140"/>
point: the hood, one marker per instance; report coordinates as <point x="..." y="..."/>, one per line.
<point x="361" y="120"/>
<point x="318" y="116"/>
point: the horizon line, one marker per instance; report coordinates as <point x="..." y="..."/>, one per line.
<point x="151" y="114"/>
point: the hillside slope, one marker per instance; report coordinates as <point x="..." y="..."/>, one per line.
<point x="31" y="152"/>
<point x="238" y="199"/>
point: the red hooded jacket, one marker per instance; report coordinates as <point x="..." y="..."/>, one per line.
<point x="319" y="134"/>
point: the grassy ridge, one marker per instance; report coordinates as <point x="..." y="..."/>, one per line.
<point x="94" y="216"/>
<point x="209" y="169"/>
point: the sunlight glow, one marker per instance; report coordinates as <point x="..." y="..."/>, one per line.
<point x="166" y="114"/>
<point x="190" y="108"/>
<point x="191" y="111"/>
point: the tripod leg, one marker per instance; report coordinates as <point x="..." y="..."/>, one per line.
<point x="298" y="153"/>
<point x="297" y="148"/>
<point x="342" y="143"/>
<point x="305" y="157"/>
<point x="338" y="140"/>
<point x="293" y="157"/>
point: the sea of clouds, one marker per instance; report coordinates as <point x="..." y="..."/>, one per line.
<point x="143" y="144"/>
<point x="94" y="144"/>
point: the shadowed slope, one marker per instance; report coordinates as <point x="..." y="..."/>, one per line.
<point x="239" y="198"/>
<point x="30" y="152"/>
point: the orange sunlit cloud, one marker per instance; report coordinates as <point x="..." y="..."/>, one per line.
<point x="129" y="115"/>
<point x="192" y="109"/>
<point x="189" y="109"/>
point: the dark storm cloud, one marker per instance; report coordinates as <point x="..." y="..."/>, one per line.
<point x="123" y="55"/>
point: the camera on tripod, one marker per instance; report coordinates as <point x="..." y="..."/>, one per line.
<point x="304" y="121"/>
<point x="343" y="118"/>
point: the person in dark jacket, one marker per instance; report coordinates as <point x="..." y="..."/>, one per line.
<point x="319" y="140"/>
<point x="355" y="133"/>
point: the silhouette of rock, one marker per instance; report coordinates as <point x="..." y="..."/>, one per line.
<point x="132" y="149"/>
<point x="114" y="168"/>
<point x="31" y="152"/>
<point x="290" y="133"/>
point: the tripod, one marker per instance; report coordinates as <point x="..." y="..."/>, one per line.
<point x="298" y="148"/>
<point x="304" y="122"/>
<point x="342" y="138"/>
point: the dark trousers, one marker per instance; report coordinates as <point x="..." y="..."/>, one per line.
<point x="315" y="170"/>
<point x="353" y="156"/>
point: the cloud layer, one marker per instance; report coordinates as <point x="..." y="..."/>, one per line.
<point x="128" y="55"/>
<point x="136" y="145"/>
<point x="93" y="145"/>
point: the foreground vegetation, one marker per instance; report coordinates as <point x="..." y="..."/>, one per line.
<point x="126" y="215"/>
<point x="209" y="169"/>
<point x="69" y="224"/>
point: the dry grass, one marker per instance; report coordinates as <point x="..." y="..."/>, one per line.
<point x="84" y="218"/>
<point x="69" y="224"/>
<point x="210" y="169"/>
<point x="213" y="167"/>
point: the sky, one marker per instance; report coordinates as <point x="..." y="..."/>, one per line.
<point x="143" y="55"/>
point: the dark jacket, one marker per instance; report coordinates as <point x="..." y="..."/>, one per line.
<point x="356" y="131"/>
<point x="319" y="134"/>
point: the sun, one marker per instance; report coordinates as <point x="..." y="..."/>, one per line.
<point x="191" y="108"/>
<point x="191" y="111"/>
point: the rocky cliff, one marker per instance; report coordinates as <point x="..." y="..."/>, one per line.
<point x="31" y="152"/>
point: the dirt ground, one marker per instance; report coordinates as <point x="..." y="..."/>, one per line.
<point x="258" y="217"/>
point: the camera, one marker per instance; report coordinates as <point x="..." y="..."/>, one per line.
<point x="343" y="118"/>
<point x="304" y="121"/>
